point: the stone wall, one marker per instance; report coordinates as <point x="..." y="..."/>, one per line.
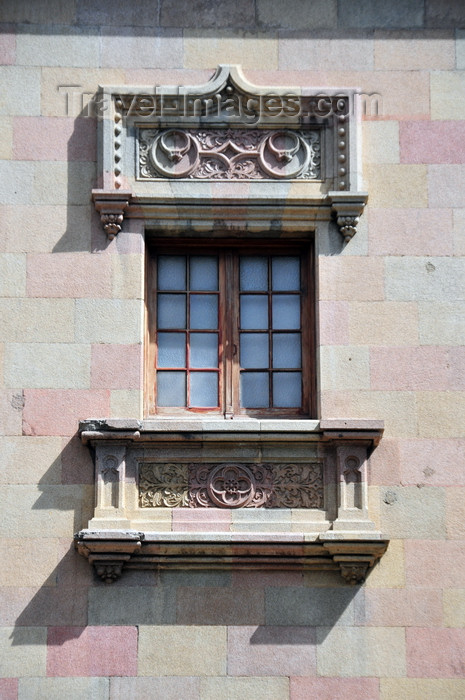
<point x="391" y="330"/>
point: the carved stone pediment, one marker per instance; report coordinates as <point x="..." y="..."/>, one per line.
<point x="169" y="148"/>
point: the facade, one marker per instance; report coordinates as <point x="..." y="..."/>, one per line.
<point x="232" y="350"/>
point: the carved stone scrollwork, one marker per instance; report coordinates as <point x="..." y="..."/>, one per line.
<point x="163" y="485"/>
<point x="109" y="573"/>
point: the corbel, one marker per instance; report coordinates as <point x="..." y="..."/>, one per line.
<point x="348" y="208"/>
<point x="111" y="205"/>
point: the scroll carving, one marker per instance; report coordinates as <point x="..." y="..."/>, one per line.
<point x="229" y="154"/>
<point x="231" y="485"/>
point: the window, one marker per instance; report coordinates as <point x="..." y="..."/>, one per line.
<point x="230" y="329"/>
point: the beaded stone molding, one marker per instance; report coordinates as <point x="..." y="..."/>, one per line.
<point x="165" y="153"/>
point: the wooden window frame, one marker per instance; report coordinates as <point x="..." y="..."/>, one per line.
<point x="228" y="252"/>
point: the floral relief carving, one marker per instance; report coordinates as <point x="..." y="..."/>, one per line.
<point x="231" y="485"/>
<point x="229" y="154"/>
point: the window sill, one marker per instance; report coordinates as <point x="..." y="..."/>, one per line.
<point x="333" y="532"/>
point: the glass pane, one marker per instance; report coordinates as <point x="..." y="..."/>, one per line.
<point x="254" y="350"/>
<point x="203" y="273"/>
<point x="204" y="311"/>
<point x="204" y="349"/>
<point x="171" y="349"/>
<point x="171" y="272"/>
<point x="286" y="311"/>
<point x="254" y="311"/>
<point x="285" y="274"/>
<point x="287" y="389"/>
<point x="204" y="389"/>
<point x="171" y="388"/>
<point x="286" y="350"/>
<point x="254" y="274"/>
<point x="254" y="390"/>
<point x="171" y="311"/>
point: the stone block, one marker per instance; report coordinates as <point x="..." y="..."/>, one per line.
<point x="354" y="652"/>
<point x="109" y="321"/>
<point x="432" y="142"/>
<point x="424" y="688"/>
<point x="191" y="520"/>
<point x="20" y="90"/>
<point x="442" y="323"/>
<point x="397" y="186"/>
<point x="54" y="138"/>
<point x="68" y="275"/>
<point x="447" y="94"/>
<point x="414" y="50"/>
<point x="440" y="561"/>
<point x="335" y="688"/>
<point x="16" y="182"/>
<point x="167" y="688"/>
<point x="460" y="49"/>
<point x="396" y="408"/>
<point x="29" y="460"/>
<point x="425" y="279"/>
<point x="142" y="48"/>
<point x="376" y="13"/>
<point x="72" y="46"/>
<point x="66" y="92"/>
<point x="402" y="608"/>
<point x="128" y="276"/>
<point x="445" y="185"/>
<point x="350" y="278"/>
<point x="182" y="651"/>
<point x="9" y="688"/>
<point x="206" y="48"/>
<point x="40" y="229"/>
<point x="410" y="511"/>
<point x="92" y="651"/>
<point x="325" y="49"/>
<point x="6" y="144"/>
<point x="279" y="520"/>
<point x="57" y="182"/>
<point x="457" y="232"/>
<point x="11" y="412"/>
<point x="380" y="323"/>
<point x="7" y="45"/>
<point x="271" y="651"/>
<point x="455" y="522"/>
<point x="116" y="366"/>
<point x="321" y="607"/>
<point x="44" y="606"/>
<point x="424" y="368"/>
<point x="117" y="13"/>
<point x="53" y="11"/>
<point x="410" y="232"/>
<point x="132" y="605"/>
<point x="385" y="464"/>
<point x="389" y="571"/>
<point x="299" y="14"/>
<point x="59" y="688"/>
<point x="431" y="462"/>
<point x="35" y="558"/>
<point x="454" y="607"/>
<point x="441" y="414"/>
<point x="435" y="653"/>
<point x="37" y="320"/>
<point x="261" y="579"/>
<point x="345" y="367"/>
<point x="442" y="13"/>
<point x="207" y="15"/>
<point x="40" y="511"/>
<point x="219" y="606"/>
<point x="333" y="317"/>
<point x="58" y="411"/>
<point x="126" y="402"/>
<point x="381" y="142"/>
<point x="47" y="365"/>
<point x="22" y="651"/>
<point x="12" y="275"/>
<point x="240" y="688"/>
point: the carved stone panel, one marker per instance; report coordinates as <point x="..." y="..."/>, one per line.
<point x="231" y="485"/>
<point x="229" y="154"/>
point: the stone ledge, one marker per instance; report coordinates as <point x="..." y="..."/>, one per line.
<point x="111" y="551"/>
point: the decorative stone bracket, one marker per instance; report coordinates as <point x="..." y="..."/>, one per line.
<point x="111" y="206"/>
<point x="348" y="209"/>
<point x="312" y="474"/>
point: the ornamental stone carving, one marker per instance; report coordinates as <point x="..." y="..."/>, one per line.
<point x="163" y="485"/>
<point x="229" y="154"/>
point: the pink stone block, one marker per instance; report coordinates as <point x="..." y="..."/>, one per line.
<point x="7" y="48"/>
<point x="54" y="138"/>
<point x="116" y="366"/>
<point x="456" y="369"/>
<point x="409" y="368"/>
<point x="58" y="412"/>
<point x="11" y="408"/>
<point x="92" y="651"/>
<point x="334" y="322"/>
<point x="271" y="651"/>
<point x="437" y="562"/>
<point x="334" y="689"/>
<point x="384" y="465"/>
<point x="8" y="688"/>
<point x="410" y="231"/>
<point x="68" y="275"/>
<point x="205" y="519"/>
<point x="432" y="141"/>
<point x="435" y="653"/>
<point x="399" y="607"/>
<point x="432" y="462"/>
